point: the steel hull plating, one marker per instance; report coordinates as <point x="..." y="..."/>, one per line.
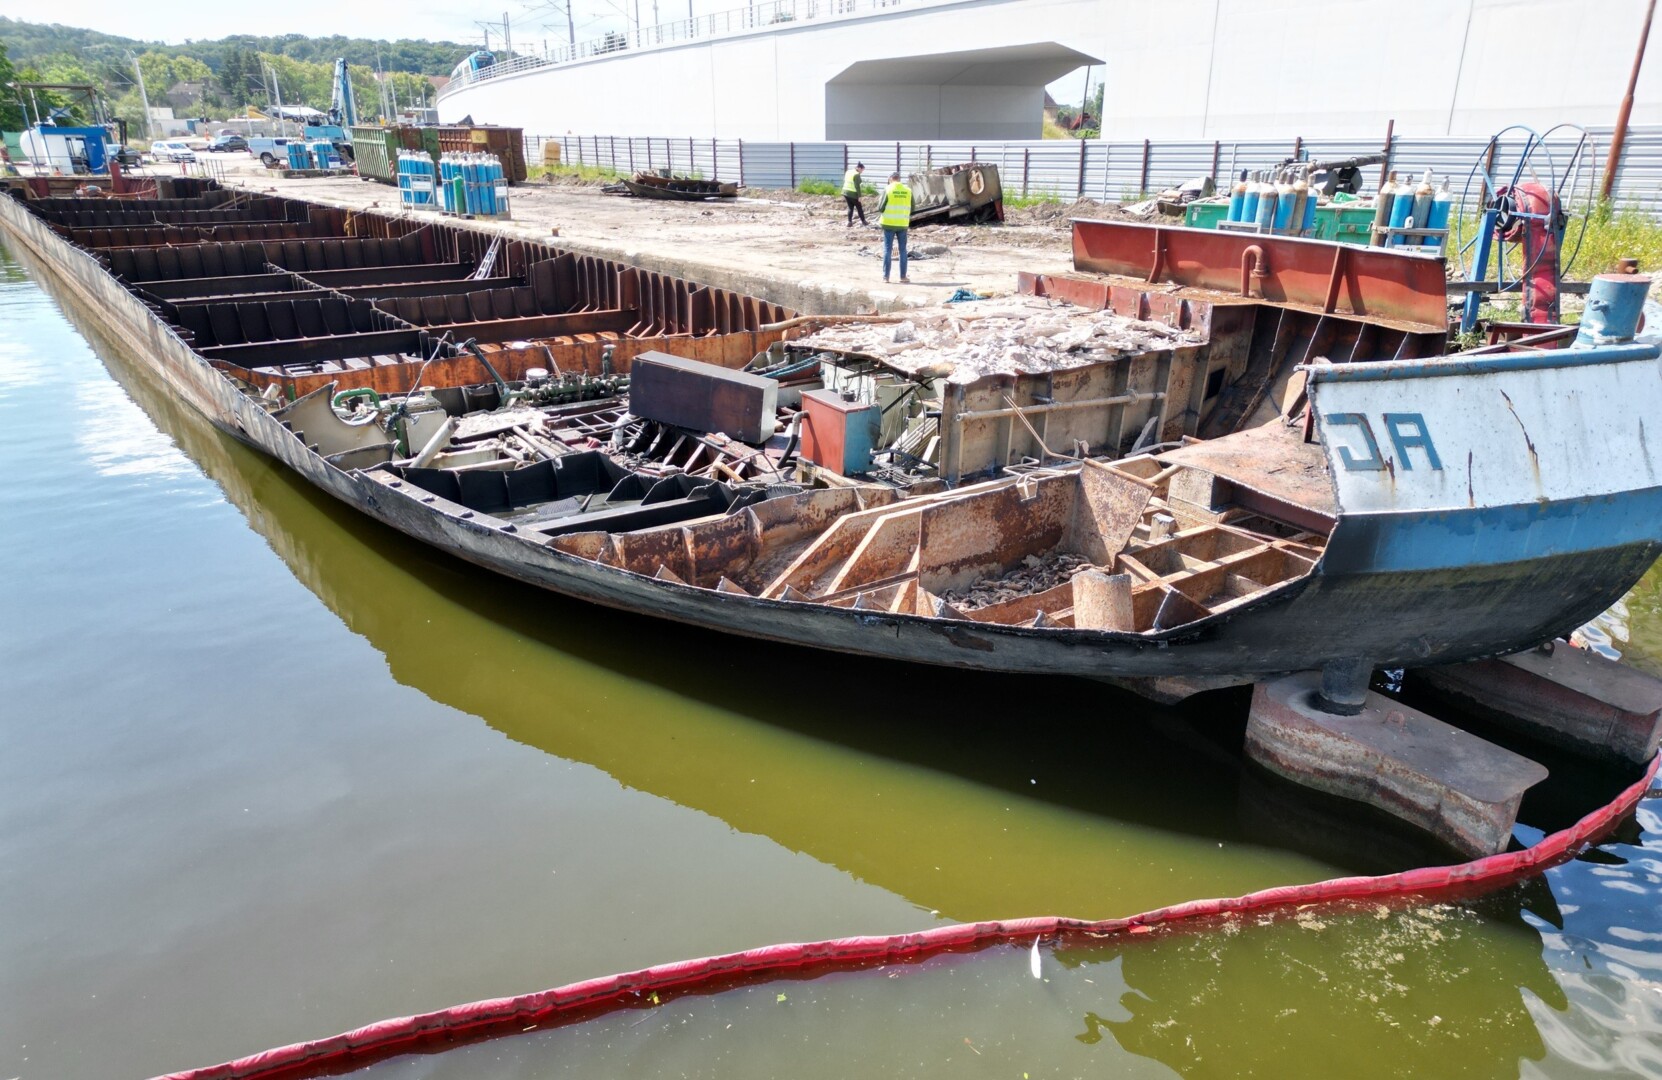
<point x="1355" y="603"/>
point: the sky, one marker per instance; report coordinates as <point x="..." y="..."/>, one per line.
<point x="177" y="20"/>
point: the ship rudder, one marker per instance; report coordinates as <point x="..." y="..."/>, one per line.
<point x="1462" y="789"/>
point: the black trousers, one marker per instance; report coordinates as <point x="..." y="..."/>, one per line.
<point x="854" y="207"/>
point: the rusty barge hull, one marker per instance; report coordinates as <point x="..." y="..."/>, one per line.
<point x="1348" y="605"/>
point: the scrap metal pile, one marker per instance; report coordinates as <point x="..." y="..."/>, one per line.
<point x="1018" y="335"/>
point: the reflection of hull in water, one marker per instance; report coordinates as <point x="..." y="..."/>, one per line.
<point x="1422" y="565"/>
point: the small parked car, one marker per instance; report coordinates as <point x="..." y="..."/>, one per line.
<point x="172" y="150"/>
<point x="227" y="143"/>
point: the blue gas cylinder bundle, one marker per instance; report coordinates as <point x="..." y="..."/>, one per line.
<point x="299" y="156"/>
<point x="421" y="180"/>
<point x="470" y="181"/>
<point x="484" y="184"/>
<point x="499" y="186"/>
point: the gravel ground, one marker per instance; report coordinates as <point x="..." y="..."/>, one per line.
<point x="791" y="248"/>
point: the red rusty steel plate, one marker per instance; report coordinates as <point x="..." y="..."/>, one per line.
<point x="1346" y="279"/>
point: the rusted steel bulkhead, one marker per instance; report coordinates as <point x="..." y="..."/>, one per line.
<point x="296" y="296"/>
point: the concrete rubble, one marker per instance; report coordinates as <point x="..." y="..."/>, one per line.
<point x="1018" y="335"/>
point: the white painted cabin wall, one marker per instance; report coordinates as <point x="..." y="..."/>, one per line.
<point x="1234" y="69"/>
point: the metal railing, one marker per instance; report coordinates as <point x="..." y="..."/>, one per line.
<point x="759" y="16"/>
<point x="1104" y="170"/>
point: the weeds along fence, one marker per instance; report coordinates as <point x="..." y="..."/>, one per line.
<point x="1113" y="170"/>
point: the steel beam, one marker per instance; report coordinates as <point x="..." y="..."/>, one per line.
<point x="1328" y="277"/>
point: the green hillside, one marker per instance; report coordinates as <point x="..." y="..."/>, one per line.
<point x="215" y="77"/>
<point x="29" y="42"/>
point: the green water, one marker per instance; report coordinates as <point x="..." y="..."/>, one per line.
<point x="269" y="771"/>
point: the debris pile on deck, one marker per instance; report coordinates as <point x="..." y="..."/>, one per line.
<point x="1036" y="574"/>
<point x="1018" y="335"/>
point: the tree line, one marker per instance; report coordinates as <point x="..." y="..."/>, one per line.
<point x="29" y="42"/>
<point x="224" y="76"/>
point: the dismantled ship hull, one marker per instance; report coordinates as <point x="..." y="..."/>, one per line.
<point x="678" y="188"/>
<point x="1241" y="514"/>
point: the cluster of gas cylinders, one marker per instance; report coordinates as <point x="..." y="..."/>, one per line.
<point x="313" y="154"/>
<point x="460" y="183"/>
<point x="1282" y="201"/>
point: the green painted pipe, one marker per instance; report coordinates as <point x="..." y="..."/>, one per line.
<point x="340" y="399"/>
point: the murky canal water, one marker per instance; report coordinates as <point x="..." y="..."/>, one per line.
<point x="269" y="771"/>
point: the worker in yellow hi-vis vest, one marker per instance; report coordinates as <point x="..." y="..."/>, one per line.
<point x="896" y="210"/>
<point x="851" y="193"/>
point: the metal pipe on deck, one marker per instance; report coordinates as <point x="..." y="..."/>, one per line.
<point x="1054" y="406"/>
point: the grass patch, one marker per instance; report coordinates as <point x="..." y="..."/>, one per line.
<point x="1616" y="233"/>
<point x="580" y="172"/>
<point x="832" y="187"/>
<point x="1037" y="198"/>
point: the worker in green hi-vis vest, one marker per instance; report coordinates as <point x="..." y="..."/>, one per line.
<point x="851" y="193"/>
<point x="896" y="210"/>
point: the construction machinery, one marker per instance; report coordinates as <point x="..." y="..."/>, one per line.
<point x="342" y="115"/>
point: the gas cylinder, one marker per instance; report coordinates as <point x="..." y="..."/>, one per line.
<point x="1249" y="205"/>
<point x="1442" y="204"/>
<point x="1283" y="204"/>
<point x="1266" y="206"/>
<point x="1422" y="206"/>
<point x="1304" y="207"/>
<point x="499" y="187"/>
<point x="1383" y="203"/>
<point x="1237" y="198"/>
<point x="1402" y="208"/>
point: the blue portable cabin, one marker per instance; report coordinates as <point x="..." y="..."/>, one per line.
<point x="73" y="149"/>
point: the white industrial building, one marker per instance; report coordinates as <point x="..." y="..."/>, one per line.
<point x="1179" y="69"/>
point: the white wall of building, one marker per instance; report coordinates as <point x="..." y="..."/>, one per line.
<point x="1177" y="69"/>
<point x="771" y="84"/>
<point x="901" y="111"/>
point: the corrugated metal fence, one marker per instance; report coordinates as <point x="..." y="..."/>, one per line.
<point x="1098" y="169"/>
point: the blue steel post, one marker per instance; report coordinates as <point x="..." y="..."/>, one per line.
<point x="1480" y="270"/>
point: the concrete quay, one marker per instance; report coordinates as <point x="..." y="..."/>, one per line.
<point x="795" y="250"/>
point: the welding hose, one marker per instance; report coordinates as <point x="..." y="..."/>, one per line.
<point x="481" y="1020"/>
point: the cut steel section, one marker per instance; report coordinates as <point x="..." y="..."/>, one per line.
<point x="1328" y="277"/>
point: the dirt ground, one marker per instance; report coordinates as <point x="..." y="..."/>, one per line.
<point x="787" y="247"/>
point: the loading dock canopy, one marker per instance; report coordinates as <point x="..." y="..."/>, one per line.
<point x="990" y="94"/>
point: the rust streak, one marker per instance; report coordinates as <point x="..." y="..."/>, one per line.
<point x="1534" y="458"/>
